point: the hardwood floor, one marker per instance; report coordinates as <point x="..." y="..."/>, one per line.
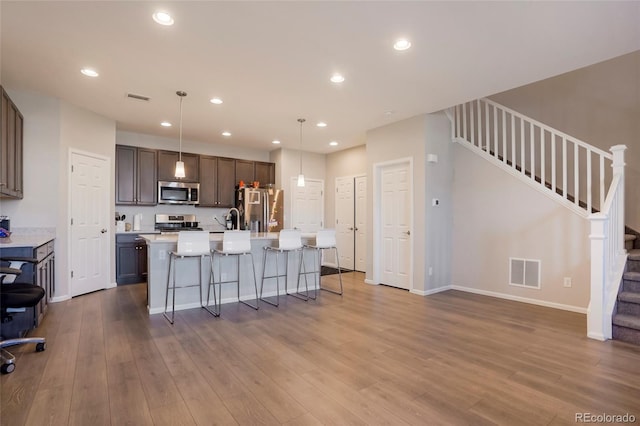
<point x="377" y="355"/>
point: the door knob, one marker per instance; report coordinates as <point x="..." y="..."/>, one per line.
<point x="102" y="231"/>
<point x="350" y="229"/>
<point x="355" y="229"/>
<point x="408" y="232"/>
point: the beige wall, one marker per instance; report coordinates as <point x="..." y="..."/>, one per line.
<point x="599" y="104"/>
<point x="496" y="216"/>
<point x="404" y="139"/>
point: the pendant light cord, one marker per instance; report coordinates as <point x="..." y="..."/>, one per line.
<point x="301" y="120"/>
<point x="180" y="154"/>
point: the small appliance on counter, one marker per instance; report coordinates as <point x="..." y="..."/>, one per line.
<point x="137" y="222"/>
<point x="172" y="223"/>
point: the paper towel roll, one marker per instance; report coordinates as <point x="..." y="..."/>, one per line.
<point x="137" y="219"/>
<point x="120" y="226"/>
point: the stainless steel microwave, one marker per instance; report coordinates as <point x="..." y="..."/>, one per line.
<point x="178" y="193"/>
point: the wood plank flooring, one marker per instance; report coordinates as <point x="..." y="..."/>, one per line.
<point x="375" y="356"/>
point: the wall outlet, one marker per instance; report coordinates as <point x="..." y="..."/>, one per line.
<point x="430" y="270"/>
<point x="567" y="281"/>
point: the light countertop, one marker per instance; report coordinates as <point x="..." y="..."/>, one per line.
<point x="26" y="240"/>
<point x="217" y="236"/>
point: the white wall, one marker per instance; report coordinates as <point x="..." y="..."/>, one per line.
<point x="38" y="208"/>
<point x="495" y="216"/>
<point x="599" y="104"/>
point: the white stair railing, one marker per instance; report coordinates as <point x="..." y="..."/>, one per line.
<point x="579" y="176"/>
<point x="608" y="255"/>
<point x="571" y="171"/>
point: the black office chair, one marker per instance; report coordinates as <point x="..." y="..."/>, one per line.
<point x="14" y="296"/>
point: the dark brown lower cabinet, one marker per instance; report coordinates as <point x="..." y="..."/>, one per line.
<point x="131" y="259"/>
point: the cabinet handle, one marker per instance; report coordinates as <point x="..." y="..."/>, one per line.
<point x="102" y="231"/>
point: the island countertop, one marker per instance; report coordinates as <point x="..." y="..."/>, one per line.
<point x="158" y="254"/>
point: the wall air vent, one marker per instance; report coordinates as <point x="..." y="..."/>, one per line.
<point x="138" y="97"/>
<point x="524" y="272"/>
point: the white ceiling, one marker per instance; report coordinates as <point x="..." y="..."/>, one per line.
<point x="270" y="62"/>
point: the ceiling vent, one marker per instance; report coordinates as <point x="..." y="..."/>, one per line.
<point x="138" y="97"/>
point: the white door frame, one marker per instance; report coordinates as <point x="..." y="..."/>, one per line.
<point x="107" y="193"/>
<point x="377" y="221"/>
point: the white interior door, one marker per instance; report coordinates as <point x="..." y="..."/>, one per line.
<point x="345" y="215"/>
<point x="89" y="224"/>
<point x="396" y="205"/>
<point x="361" y="223"/>
<point x="307" y="209"/>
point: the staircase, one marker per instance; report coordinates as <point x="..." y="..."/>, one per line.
<point x="579" y="176"/>
<point x="626" y="319"/>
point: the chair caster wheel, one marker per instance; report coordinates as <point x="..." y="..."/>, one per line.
<point x="7" y="368"/>
<point x="41" y="346"/>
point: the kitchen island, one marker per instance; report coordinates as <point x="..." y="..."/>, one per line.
<point x="160" y="245"/>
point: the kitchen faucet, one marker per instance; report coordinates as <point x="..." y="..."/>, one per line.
<point x="237" y="216"/>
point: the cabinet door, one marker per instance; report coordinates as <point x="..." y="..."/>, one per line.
<point x="126" y="174"/>
<point x="167" y="166"/>
<point x="226" y="182"/>
<point x="208" y="181"/>
<point x="265" y="173"/>
<point x="126" y="263"/>
<point x="245" y="172"/>
<point x="11" y="149"/>
<point x="147" y="182"/>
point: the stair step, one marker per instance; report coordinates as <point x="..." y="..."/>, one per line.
<point x="631" y="276"/>
<point x="629" y="237"/>
<point x="629" y="297"/>
<point x="625" y="334"/>
<point x="634" y="254"/>
<point x="628" y="321"/>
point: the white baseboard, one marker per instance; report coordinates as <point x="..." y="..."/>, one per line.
<point x="545" y="303"/>
<point x="431" y="291"/>
<point x="59" y="299"/>
<point x="367" y="281"/>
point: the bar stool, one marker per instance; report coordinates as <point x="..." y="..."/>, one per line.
<point x="325" y="240"/>
<point x="234" y="243"/>
<point x="289" y="241"/>
<point x="190" y="244"/>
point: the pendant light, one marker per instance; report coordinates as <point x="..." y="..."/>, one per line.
<point x="180" y="164"/>
<point x="301" y="176"/>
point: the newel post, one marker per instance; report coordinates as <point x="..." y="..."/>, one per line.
<point x="618" y="169"/>
<point x="595" y="313"/>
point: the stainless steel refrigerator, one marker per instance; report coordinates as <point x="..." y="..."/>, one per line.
<point x="261" y="209"/>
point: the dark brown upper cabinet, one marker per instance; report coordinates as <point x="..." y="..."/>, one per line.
<point x="245" y="172"/>
<point x="217" y="181"/>
<point x="167" y="166"/>
<point x="11" y="162"/>
<point x="136" y="180"/>
<point x="265" y="173"/>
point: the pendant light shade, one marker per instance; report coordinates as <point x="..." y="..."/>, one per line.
<point x="301" y="176"/>
<point x="180" y="172"/>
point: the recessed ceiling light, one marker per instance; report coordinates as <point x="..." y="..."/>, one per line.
<point x="333" y="143"/>
<point x="276" y="142"/>
<point x="337" y="78"/>
<point x="216" y="101"/>
<point x="389" y="113"/>
<point x="402" y="44"/>
<point x="321" y="124"/>
<point x="162" y="18"/>
<point x="165" y="124"/>
<point x="89" y="72"/>
<point x="226" y="133"/>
